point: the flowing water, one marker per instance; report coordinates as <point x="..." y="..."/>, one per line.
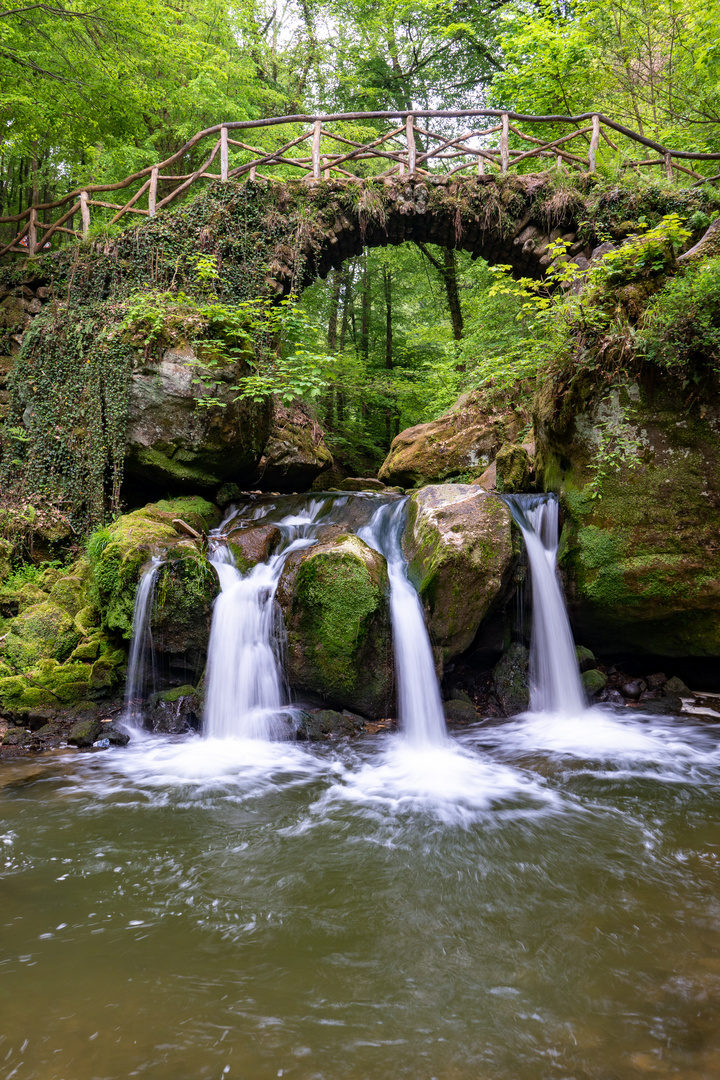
<point x="141" y="667"/>
<point x="245" y="689"/>
<point x="420" y="708"/>
<point x="537" y="898"/>
<point x="555" y="685"/>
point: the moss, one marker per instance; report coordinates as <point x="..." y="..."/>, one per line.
<point x="69" y="593"/>
<point x="593" y="681"/>
<point x="178" y="692"/>
<point x="6" y="557"/>
<point x="339" y="626"/>
<point x="42" y="631"/>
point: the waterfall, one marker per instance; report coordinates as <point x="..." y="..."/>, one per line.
<point x="141" y="645"/>
<point x="555" y="684"/>
<point x="245" y="685"/>
<point x="419" y="702"/>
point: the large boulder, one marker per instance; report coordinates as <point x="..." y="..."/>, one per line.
<point x="294" y="454"/>
<point x="460" y="550"/>
<point x="185" y="587"/>
<point x="187" y="428"/>
<point x="339" y="643"/>
<point x="462" y="443"/>
<point x="641" y="543"/>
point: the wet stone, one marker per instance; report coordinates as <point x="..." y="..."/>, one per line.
<point x="633" y="688"/>
<point x="85" y="732"/>
<point x="656" y="681"/>
<point x="460" y="712"/>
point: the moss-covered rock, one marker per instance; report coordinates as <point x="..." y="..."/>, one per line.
<point x="642" y="561"/>
<point x="85" y="732"/>
<point x="510" y="680"/>
<point x="460" y="712"/>
<point x="338" y="626"/>
<point x="460" y="551"/>
<point x="593" y="681"/>
<point x="118" y="553"/>
<point x="463" y="442"/>
<point x="252" y="545"/>
<point x="70" y="593"/>
<point x="40" y="632"/>
<point x="512" y="468"/>
<point x="322" y="724"/>
<point x="174" y="711"/>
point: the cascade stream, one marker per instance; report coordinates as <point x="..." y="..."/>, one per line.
<point x="246" y="689"/>
<point x="555" y="685"/>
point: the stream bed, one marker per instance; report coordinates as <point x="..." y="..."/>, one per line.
<point x="534" y="898"/>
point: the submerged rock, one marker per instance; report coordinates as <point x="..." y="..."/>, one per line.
<point x="335" y="604"/>
<point x="463" y="442"/>
<point x="460" y="552"/>
<point x="510" y="680"/>
<point x="320" y="724"/>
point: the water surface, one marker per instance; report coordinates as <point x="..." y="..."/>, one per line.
<point x="538" y="898"/>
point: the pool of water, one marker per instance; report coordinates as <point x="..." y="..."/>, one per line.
<point x="537" y="899"/>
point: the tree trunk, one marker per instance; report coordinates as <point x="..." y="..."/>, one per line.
<point x="387" y="286"/>
<point x="447" y="270"/>
<point x="365" y="322"/>
<point x="453" y="296"/>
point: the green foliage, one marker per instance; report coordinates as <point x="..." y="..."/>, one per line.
<point x="680" y="330"/>
<point x="646" y="255"/>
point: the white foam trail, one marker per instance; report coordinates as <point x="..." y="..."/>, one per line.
<point x="555" y="684"/>
<point x="419" y="703"/>
<point x="448" y="782"/>
<point x="141" y="646"/>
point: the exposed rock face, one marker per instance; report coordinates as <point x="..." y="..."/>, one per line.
<point x="252" y="545"/>
<point x="335" y="603"/>
<point x="462" y="442"/>
<point x="294" y="454"/>
<point x="643" y="562"/>
<point x="174" y="441"/>
<point x="510" y="680"/>
<point x="459" y="547"/>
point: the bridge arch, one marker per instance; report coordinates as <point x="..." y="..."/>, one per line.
<point x="509" y="220"/>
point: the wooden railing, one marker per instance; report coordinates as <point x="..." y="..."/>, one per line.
<point x="409" y="148"/>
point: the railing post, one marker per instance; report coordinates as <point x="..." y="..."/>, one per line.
<point x="84" y="214"/>
<point x="594" y="143"/>
<point x="481" y="165"/>
<point x="253" y="172"/>
<point x="410" y="136"/>
<point x="505" y="144"/>
<point x="668" y="166"/>
<point x="316" y="150"/>
<point x="32" y="232"/>
<point x="152" y="192"/>
<point x="326" y="168"/>
<point x="223" y="153"/>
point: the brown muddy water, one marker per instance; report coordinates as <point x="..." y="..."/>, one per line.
<point x="536" y="899"/>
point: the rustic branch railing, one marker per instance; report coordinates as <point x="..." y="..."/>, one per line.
<point x="399" y="150"/>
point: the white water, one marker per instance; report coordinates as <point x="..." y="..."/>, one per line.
<point x="419" y="703"/>
<point x="555" y="685"/>
<point x="245" y="685"/>
<point x="141" y="646"/>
